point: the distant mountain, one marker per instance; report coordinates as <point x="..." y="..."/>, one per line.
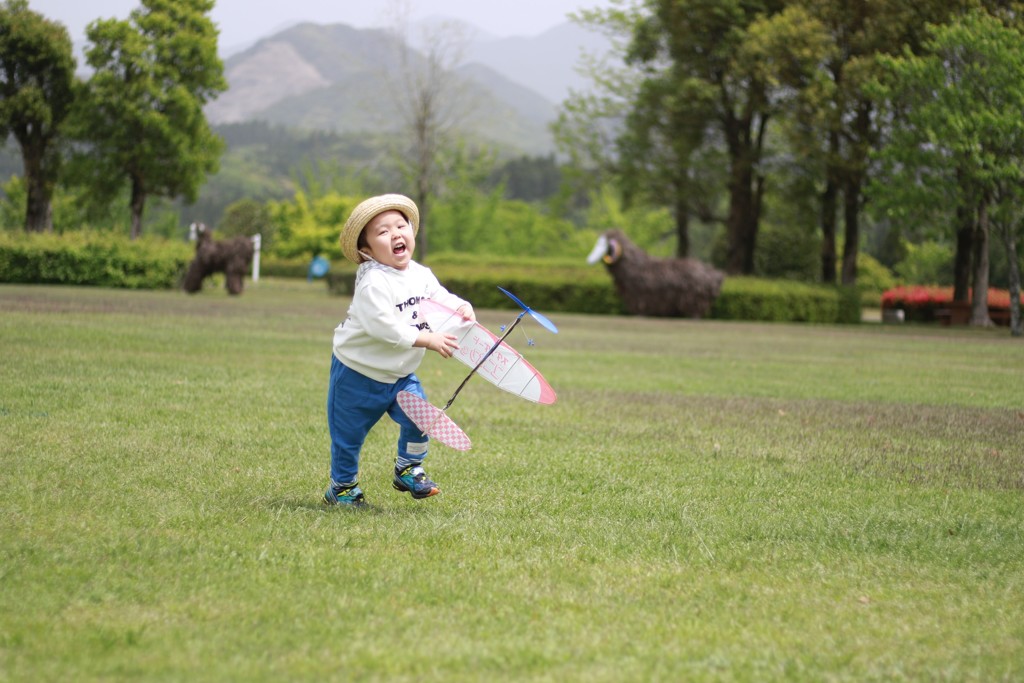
<point x="294" y="63"/>
<point x="546" y="63"/>
<point x="531" y="106"/>
<point x="334" y="78"/>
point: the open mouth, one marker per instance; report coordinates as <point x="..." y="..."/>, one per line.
<point x="398" y="249"/>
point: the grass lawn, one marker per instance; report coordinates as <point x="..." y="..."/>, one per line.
<point x="706" y="501"/>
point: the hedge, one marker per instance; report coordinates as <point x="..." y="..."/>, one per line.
<point x="273" y="266"/>
<point x="551" y="286"/>
<point x="96" y="259"/>
<point x="748" y="298"/>
<point x="561" y="287"/>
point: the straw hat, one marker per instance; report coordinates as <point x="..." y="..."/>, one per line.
<point x="364" y="213"/>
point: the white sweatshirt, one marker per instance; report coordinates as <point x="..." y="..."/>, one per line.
<point x="383" y="321"/>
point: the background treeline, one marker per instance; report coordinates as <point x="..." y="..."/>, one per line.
<point x="827" y="116"/>
<point x="825" y="142"/>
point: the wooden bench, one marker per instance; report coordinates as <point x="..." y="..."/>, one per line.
<point x="960" y="314"/>
<point x="956" y="313"/>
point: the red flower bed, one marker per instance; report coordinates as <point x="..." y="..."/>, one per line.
<point x="916" y="296"/>
<point x="920" y="303"/>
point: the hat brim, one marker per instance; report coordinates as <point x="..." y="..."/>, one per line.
<point x="364" y="213"/>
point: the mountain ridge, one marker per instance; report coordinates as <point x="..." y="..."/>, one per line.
<point x="546" y="63"/>
<point x="336" y="78"/>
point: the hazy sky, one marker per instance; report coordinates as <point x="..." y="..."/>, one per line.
<point x="243" y="21"/>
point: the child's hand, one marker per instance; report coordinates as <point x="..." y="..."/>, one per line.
<point x="467" y="312"/>
<point x="444" y="344"/>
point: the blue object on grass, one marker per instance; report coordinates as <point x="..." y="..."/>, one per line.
<point x="318" y="267"/>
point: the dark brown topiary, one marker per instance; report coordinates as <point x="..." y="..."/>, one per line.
<point x="233" y="257"/>
<point x="655" y="286"/>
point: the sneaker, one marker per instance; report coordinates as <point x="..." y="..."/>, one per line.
<point x="414" y="480"/>
<point x="348" y="495"/>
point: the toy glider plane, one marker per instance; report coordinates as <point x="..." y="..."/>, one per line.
<point x="488" y="356"/>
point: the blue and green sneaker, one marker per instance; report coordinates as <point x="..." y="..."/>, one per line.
<point x="344" y="494"/>
<point x="414" y="480"/>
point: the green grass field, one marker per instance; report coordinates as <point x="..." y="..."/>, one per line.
<point x="706" y="501"/>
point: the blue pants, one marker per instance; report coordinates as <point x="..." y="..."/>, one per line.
<point x="354" y="404"/>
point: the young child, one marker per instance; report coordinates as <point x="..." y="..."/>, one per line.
<point x="381" y="344"/>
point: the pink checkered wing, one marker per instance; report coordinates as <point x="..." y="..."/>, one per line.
<point x="434" y="423"/>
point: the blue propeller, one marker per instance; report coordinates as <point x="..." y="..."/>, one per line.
<point x="547" y="324"/>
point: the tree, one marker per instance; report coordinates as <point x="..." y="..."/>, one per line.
<point x="431" y="100"/>
<point x="707" y="47"/>
<point x="838" y="126"/>
<point x="654" y="127"/>
<point x="142" y="121"/>
<point x="962" y="148"/>
<point x="245" y="218"/>
<point x="528" y="178"/>
<point x="662" y="136"/>
<point x="1008" y="220"/>
<point x="696" y="89"/>
<point x="590" y="122"/>
<point x="37" y="89"/>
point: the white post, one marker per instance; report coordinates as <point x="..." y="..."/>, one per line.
<point x="257" y="239"/>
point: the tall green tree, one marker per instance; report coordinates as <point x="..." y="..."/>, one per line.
<point x="837" y="123"/>
<point x="37" y="89"/>
<point x="142" y="121"/>
<point x="658" y="150"/>
<point x="660" y="124"/>
<point x="962" y="146"/>
<point x="840" y="125"/>
<point x="696" y="89"/>
<point x="705" y="48"/>
<point x="245" y="218"/>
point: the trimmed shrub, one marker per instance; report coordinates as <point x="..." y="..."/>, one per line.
<point x="556" y="286"/>
<point x="747" y="298"/>
<point x="275" y="266"/>
<point x="851" y="305"/>
<point x="543" y="293"/>
<point x="788" y="252"/>
<point x="341" y="282"/>
<point x="873" y="278"/>
<point x="926" y="263"/>
<point x="559" y="285"/>
<point x="96" y="259"/>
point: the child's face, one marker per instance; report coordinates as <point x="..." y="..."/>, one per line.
<point x="390" y="240"/>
